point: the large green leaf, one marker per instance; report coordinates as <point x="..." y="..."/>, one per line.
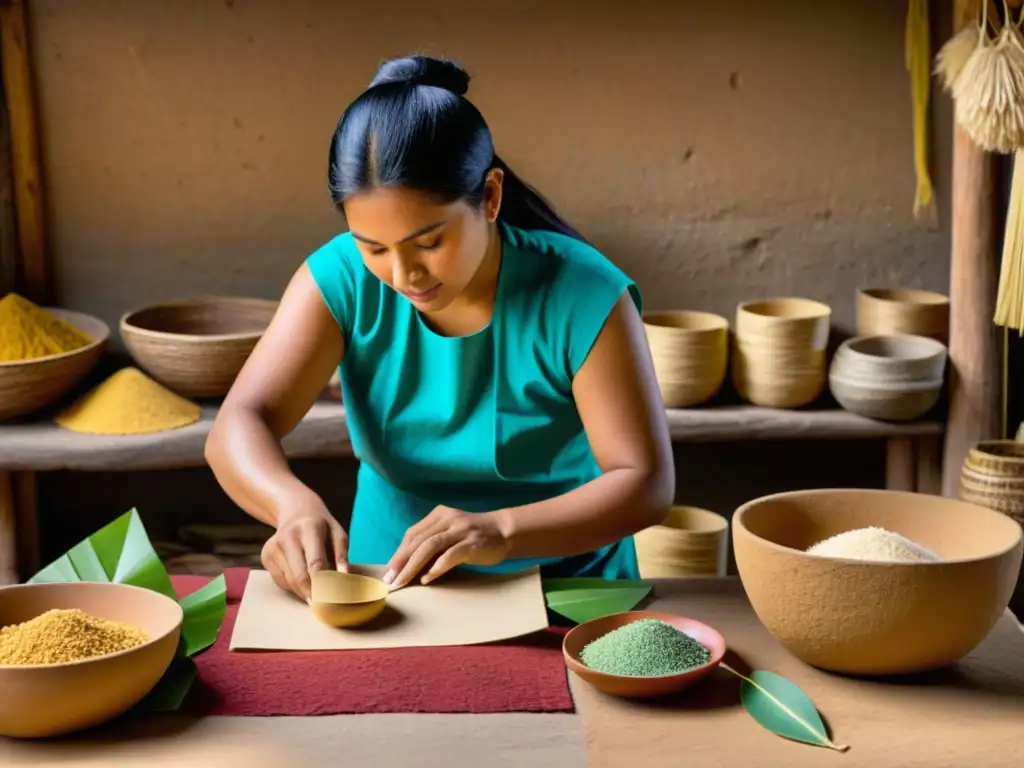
<point x="122" y="553"/>
<point x="581" y="599"/>
<point x="204" y="613"/>
<point x="779" y="705"/>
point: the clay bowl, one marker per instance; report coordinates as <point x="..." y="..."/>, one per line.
<point x="640" y="687"/>
<point x="892" y="377"/>
<point x="347" y="599"/>
<point x="903" y="310"/>
<point x="196" y="347"/>
<point x="31" y="385"/>
<point x="690" y="351"/>
<point x="876" y="618"/>
<point x="992" y="475"/>
<point x="57" y="699"/>
<point x="689" y="542"/>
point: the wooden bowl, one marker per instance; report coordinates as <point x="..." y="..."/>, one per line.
<point x="688" y="542"/>
<point x="57" y="699"/>
<point x="904" y="311"/>
<point x="992" y="475"/>
<point x="784" y="323"/>
<point x="690" y="351"/>
<point x="872" y="618"/>
<point x="640" y="687"/>
<point x="347" y="599"/>
<point x="31" y="385"/>
<point x="196" y="347"/>
<point x="894" y="377"/>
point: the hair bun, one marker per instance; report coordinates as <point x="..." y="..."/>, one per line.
<point x="423" y="70"/>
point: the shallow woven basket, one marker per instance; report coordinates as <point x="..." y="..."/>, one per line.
<point x="196" y="347"/>
<point x="31" y="385"/>
<point x="903" y="310"/>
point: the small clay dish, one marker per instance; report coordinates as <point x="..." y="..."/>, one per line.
<point x="640" y="687"/>
<point x="347" y="599"/>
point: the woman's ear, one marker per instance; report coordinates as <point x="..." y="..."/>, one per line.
<point x="492" y="193"/>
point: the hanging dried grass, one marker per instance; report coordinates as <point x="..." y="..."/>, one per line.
<point x="951" y="58"/>
<point x="988" y="92"/>
<point x="1010" y="297"/>
<point x="917" y="53"/>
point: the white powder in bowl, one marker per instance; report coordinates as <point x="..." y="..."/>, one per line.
<point x="874" y="544"/>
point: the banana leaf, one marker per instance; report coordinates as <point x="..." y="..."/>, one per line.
<point x="122" y="553"/>
<point x="581" y="599"/>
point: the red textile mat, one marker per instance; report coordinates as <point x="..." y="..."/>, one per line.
<point x="520" y="675"/>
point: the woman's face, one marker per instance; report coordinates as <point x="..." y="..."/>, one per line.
<point x="427" y="252"/>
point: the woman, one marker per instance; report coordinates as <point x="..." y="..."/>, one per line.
<point x="498" y="387"/>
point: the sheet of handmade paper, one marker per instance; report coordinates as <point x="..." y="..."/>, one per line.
<point x="461" y="609"/>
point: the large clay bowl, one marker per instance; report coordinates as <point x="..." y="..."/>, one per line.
<point x="57" y="699"/>
<point x="872" y="618"/>
<point x="640" y="687"/>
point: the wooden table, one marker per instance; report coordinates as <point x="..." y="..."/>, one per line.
<point x="913" y="454"/>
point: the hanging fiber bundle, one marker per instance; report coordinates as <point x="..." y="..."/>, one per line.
<point x="917" y="53"/>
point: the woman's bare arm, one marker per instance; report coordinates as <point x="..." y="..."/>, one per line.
<point x="281" y="380"/>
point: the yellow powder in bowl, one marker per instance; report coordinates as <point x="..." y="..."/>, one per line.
<point x="61" y="636"/>
<point x="28" y="332"/>
<point x="128" y="403"/>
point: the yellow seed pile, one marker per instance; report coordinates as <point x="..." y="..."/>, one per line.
<point x="128" y="403"/>
<point x="62" y="636"/>
<point x="28" y="332"/>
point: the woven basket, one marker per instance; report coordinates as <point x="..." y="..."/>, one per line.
<point x="196" y="347"/>
<point x="689" y="542"/>
<point x="690" y="351"/>
<point x="30" y="386"/>
<point x="903" y="310"/>
<point x="992" y="476"/>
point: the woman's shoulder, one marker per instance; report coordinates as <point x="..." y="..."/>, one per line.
<point x="561" y="267"/>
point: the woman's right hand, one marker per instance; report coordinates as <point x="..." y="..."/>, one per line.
<point x="308" y="539"/>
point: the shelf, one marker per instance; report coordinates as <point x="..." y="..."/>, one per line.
<point x="43" y="446"/>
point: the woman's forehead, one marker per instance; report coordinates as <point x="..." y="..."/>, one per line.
<point x="391" y="215"/>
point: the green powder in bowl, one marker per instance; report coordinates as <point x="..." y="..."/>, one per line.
<point x="644" y="648"/>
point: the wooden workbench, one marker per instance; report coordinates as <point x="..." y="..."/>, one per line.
<point x="913" y="454"/>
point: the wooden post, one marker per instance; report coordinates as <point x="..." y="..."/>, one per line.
<point x="19" y="91"/>
<point x="975" y="342"/>
<point x="8" y="538"/>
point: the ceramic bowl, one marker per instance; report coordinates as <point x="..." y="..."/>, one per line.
<point x="347" y="599"/>
<point x="31" y="385"/>
<point x="57" y="699"/>
<point x="640" y="687"/>
<point x="196" y="347"/>
<point x="690" y="351"/>
<point x="892" y="377"/>
<point x="903" y="310"/>
<point x="876" y="618"/>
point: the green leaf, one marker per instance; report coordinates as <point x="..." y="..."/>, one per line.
<point x="170" y="693"/>
<point x="779" y="705"/>
<point x="122" y="553"/>
<point x="204" y="614"/>
<point x="581" y="599"/>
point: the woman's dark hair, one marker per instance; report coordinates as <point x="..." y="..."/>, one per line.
<point x="414" y="128"/>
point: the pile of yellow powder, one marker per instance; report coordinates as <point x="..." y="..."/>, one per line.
<point x="128" y="403"/>
<point x="63" y="636"/>
<point x="876" y="544"/>
<point x="28" y="332"/>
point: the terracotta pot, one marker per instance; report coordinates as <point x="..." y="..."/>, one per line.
<point x="876" y="618"/>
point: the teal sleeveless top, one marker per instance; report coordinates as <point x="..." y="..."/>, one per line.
<point x="478" y="422"/>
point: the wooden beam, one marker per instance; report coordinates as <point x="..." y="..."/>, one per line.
<point x="975" y="342"/>
<point x="19" y="91"/>
<point x="8" y="217"/>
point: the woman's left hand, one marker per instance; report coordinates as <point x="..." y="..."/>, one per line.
<point x="444" y="539"/>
